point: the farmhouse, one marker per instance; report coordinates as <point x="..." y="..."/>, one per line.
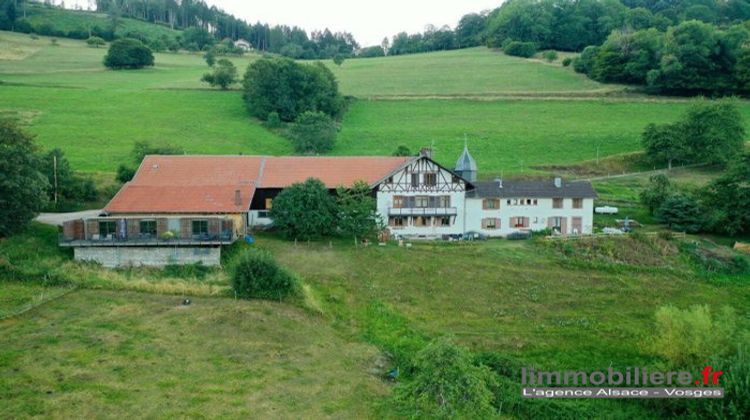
<point x="182" y="209"/>
<point x="243" y="44"/>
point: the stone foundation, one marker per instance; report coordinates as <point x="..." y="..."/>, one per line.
<point x="112" y="257"/>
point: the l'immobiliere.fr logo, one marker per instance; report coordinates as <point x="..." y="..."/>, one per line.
<point x="633" y="382"/>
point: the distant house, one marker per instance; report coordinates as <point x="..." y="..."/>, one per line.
<point x="243" y="44"/>
<point x="182" y="209"/>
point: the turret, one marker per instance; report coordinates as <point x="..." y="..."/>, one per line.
<point x="466" y="167"/>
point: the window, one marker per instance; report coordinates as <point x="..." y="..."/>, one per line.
<point x="415" y="180"/>
<point x="148" y="227"/>
<point x="389" y="180"/>
<point x="557" y="203"/>
<point x="422" y="221"/>
<point x="398" y="201"/>
<point x="508" y="202"/>
<point x="445" y="221"/>
<point x="578" y="203"/>
<point x="269" y="203"/>
<point x="456" y="180"/>
<point x="200" y="227"/>
<point x="491" y="203"/>
<point x="397" y="221"/>
<point x="490" y="223"/>
<point x="430" y="179"/>
<point x="535" y="202"/>
<point x="422" y="201"/>
<point x="444" y="201"/>
<point x="528" y="201"/>
<point x="107" y="228"/>
<point x="519" y="222"/>
<point x="262" y="214"/>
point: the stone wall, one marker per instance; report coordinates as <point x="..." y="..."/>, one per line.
<point x="149" y="256"/>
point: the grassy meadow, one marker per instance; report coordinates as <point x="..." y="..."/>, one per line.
<point x="67" y="98"/>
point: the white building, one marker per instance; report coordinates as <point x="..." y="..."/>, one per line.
<point x="424" y="199"/>
<point x="243" y="44"/>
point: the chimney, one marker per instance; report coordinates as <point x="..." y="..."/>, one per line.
<point x="426" y="152"/>
<point x="499" y="182"/>
<point x="237" y="198"/>
<point x="558" y="182"/>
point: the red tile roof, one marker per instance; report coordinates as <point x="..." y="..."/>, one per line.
<point x="208" y="184"/>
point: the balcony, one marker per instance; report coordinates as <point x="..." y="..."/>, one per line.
<point x="422" y="211"/>
<point x="226" y="238"/>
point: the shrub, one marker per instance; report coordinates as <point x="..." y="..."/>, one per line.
<point x="736" y="384"/>
<point x="224" y="74"/>
<point x="125" y="173"/>
<point x="447" y="384"/>
<point x="682" y="213"/>
<point x="402" y="151"/>
<point x="520" y="49"/>
<point x="550" y="55"/>
<point x="95" y="41"/>
<point x="255" y="274"/>
<point x="691" y="336"/>
<point x="128" y="53"/>
<point x="338" y="59"/>
<point x="566" y="61"/>
<point x="313" y="132"/>
<point x="273" y="120"/>
<point x="657" y="192"/>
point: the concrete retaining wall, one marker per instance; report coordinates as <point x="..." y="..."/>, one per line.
<point x="149" y="256"/>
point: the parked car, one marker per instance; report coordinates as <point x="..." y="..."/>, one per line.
<point x="475" y="236"/>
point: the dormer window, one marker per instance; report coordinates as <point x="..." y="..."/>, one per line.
<point x="430" y="179"/>
<point x="415" y="180"/>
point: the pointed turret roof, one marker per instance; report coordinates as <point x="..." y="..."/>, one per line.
<point x="465" y="161"/>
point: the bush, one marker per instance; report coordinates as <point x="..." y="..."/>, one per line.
<point x="125" y="173"/>
<point x="681" y="213"/>
<point x="224" y="74"/>
<point x="447" y="384"/>
<point x="402" y="151"/>
<point x="95" y="42"/>
<point x="550" y="55"/>
<point x="273" y="120"/>
<point x="128" y="53"/>
<point x="520" y="49"/>
<point x="566" y="61"/>
<point x="313" y="132"/>
<point x="691" y="336"/>
<point x="255" y="274"/>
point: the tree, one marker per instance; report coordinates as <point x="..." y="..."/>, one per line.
<point x="141" y="149"/>
<point x="369" y="52"/>
<point x="729" y="198"/>
<point x="470" y="30"/>
<point x="198" y="37"/>
<point x="664" y="143"/>
<point x="714" y="132"/>
<point x="224" y="74"/>
<point x="290" y="89"/>
<point x="357" y="216"/>
<point x="313" y="133"/>
<point x="64" y="185"/>
<point x="210" y="57"/>
<point x="447" y="384"/>
<point x="658" y="190"/>
<point x="23" y="188"/>
<point x="95" y="41"/>
<point x="128" y="53"/>
<point x="338" y="59"/>
<point x="682" y="213"/>
<point x="304" y="210"/>
<point x="402" y="151"/>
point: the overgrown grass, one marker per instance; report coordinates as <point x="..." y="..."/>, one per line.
<point x="94" y="353"/>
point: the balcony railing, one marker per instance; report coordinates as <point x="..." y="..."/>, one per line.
<point x="422" y="211"/>
<point x="225" y="238"/>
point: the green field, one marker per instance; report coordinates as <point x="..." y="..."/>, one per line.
<point x="101" y="353"/>
<point x="70" y="101"/>
<point x="119" y="351"/>
<point x="468" y="72"/>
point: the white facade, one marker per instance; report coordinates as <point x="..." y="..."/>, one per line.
<point x="526" y="214"/>
<point x="422" y="200"/>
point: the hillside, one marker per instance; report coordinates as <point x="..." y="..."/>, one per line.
<point x="96" y="115"/>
